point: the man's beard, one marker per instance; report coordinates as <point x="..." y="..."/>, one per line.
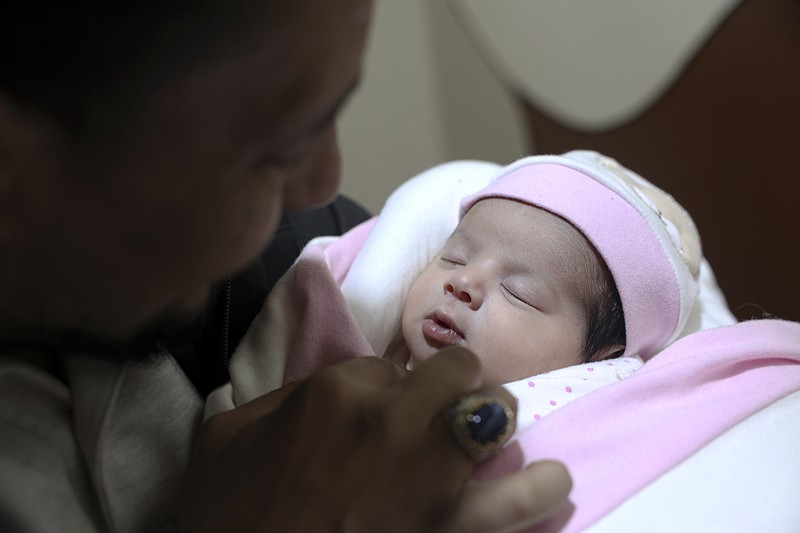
<point x="172" y="327"/>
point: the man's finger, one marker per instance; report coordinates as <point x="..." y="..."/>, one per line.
<point x="368" y="372"/>
<point x="514" y="502"/>
<point x="266" y="404"/>
<point x="220" y="428"/>
<point x="439" y="381"/>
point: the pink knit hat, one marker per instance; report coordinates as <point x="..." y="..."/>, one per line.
<point x="648" y="241"/>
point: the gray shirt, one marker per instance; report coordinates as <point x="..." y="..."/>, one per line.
<point x="106" y="453"/>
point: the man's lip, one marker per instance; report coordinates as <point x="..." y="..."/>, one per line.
<point x="440" y="330"/>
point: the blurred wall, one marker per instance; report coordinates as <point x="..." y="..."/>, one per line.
<point x="425" y="98"/>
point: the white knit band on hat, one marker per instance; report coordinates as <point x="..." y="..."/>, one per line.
<point x="647" y="240"/>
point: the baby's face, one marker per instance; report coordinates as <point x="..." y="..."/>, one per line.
<point x="503" y="286"/>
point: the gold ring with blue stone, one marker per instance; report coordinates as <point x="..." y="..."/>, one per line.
<point x="481" y="424"/>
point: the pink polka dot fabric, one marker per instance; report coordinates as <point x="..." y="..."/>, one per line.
<point x="538" y="396"/>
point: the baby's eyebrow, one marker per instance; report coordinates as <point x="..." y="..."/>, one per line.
<point x="545" y="282"/>
<point x="460" y="234"/>
<point x="453" y="238"/>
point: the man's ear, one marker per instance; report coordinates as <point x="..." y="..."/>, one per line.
<point x="608" y="352"/>
<point x="5" y="127"/>
<point x="6" y="151"/>
<point x="12" y="139"/>
<point x="30" y="154"/>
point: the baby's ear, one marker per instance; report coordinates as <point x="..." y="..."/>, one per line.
<point x="608" y="352"/>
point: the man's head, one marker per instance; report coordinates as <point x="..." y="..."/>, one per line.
<point x="133" y="176"/>
<point x="520" y="287"/>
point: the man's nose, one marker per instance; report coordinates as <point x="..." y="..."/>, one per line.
<point x="314" y="181"/>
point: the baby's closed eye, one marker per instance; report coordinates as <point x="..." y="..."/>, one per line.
<point x="519" y="293"/>
<point x="452" y="260"/>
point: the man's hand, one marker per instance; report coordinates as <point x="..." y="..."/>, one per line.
<point x="360" y="446"/>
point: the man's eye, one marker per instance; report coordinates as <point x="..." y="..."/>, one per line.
<point x="286" y="158"/>
<point x="280" y="161"/>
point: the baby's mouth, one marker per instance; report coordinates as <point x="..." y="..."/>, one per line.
<point x="439" y="330"/>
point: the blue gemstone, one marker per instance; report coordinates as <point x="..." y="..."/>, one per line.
<point x="488" y="423"/>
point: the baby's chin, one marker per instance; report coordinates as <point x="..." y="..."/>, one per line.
<point x="413" y="361"/>
<point x="419" y="355"/>
<point x="414" y="357"/>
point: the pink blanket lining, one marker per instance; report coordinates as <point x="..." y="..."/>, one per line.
<point x="618" y="439"/>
